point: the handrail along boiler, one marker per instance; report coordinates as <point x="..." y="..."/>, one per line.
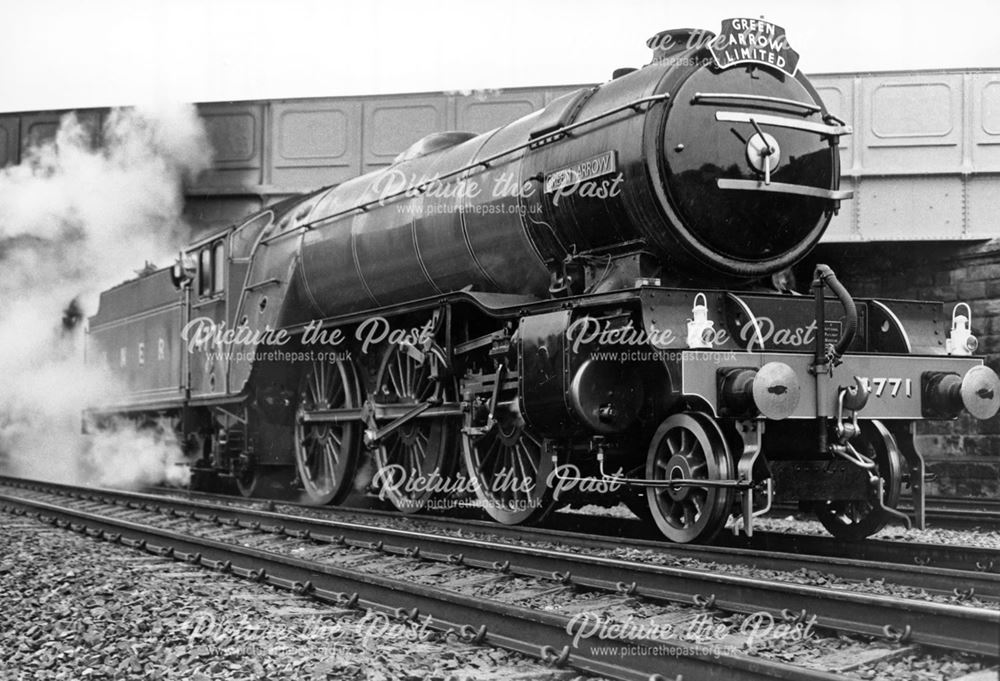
<point x="568" y="309"/>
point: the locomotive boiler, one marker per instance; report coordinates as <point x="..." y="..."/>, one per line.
<point x="582" y="306"/>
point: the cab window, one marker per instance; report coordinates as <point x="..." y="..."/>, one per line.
<point x="218" y="266"/>
<point x="205" y="272"/>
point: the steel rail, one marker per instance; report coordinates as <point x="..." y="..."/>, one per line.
<point x="956" y="518"/>
<point x="543" y="635"/>
<point x="944" y="512"/>
<point x="961" y="513"/>
<point x="921" y="565"/>
<point x="828" y="552"/>
<point x="934" y="624"/>
<point x="971" y="559"/>
<point x="985" y="503"/>
<point x="920" y="568"/>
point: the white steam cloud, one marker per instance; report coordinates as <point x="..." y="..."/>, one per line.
<point x="77" y="216"/>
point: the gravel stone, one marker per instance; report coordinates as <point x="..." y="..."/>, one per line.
<point x="75" y="608"/>
<point x="989" y="539"/>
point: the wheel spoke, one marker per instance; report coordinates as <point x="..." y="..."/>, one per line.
<point x="314" y="386"/>
<point x="501" y="461"/>
<point x="307" y="467"/>
<point x="327" y="461"/>
<point x="409" y="455"/>
<point x="420" y="446"/>
<point x="531" y="438"/>
<point x="672" y="443"/>
<point x="429" y="387"/>
<point x="491" y="451"/>
<point x="416" y="458"/>
<point x="529" y="457"/>
<point x="396" y="453"/>
<point x="520" y="472"/>
<point x="394" y="379"/>
<point x="406" y="383"/>
<point x="323" y="379"/>
<point x="334" y="448"/>
<point x="417" y="383"/>
<point x="689" y="448"/>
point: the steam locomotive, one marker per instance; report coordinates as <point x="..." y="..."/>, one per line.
<point x="587" y="305"/>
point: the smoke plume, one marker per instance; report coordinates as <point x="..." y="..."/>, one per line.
<point x="80" y="213"/>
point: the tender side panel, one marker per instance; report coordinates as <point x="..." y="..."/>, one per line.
<point x="143" y="352"/>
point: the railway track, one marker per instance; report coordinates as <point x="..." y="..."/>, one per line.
<point x="947" y="512"/>
<point x="970" y="559"/>
<point x="919" y="565"/>
<point x="591" y="530"/>
<point x="962" y="513"/>
<point x="138" y="519"/>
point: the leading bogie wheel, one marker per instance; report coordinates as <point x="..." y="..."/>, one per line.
<point x="689" y="446"/>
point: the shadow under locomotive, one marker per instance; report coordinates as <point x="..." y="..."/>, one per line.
<point x="600" y="334"/>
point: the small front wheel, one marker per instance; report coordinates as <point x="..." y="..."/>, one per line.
<point x="854" y="519"/>
<point x="689" y="446"/>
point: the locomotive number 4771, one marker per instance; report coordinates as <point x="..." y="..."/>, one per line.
<point x="890" y="387"/>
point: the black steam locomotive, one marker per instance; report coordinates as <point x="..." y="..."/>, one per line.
<point x="584" y="306"/>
